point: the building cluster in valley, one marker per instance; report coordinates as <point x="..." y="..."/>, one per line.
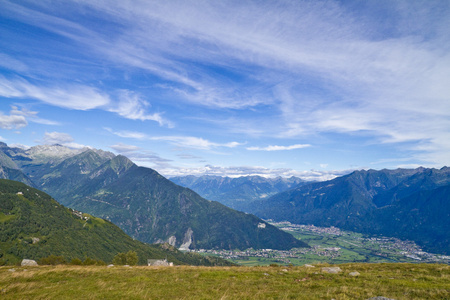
<point x="382" y="247"/>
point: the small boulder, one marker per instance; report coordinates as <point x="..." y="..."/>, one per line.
<point x="308" y="266"/>
<point x="380" y="298"/>
<point x="354" y="274"/>
<point x="28" y="263"/>
<point x="331" y="270"/>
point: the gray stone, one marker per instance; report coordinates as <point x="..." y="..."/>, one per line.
<point x="331" y="270"/>
<point x="28" y="263"/>
<point x="12" y="270"/>
<point x="380" y="298"/>
<point x="354" y="273"/>
<point x="309" y="266"/>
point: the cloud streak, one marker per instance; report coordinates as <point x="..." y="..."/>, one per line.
<point x="126" y="104"/>
<point x="179" y="141"/>
<point x="279" y="148"/>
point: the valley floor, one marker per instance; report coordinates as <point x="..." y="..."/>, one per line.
<point x="396" y="281"/>
<point x="334" y="246"/>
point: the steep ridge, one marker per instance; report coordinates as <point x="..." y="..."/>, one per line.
<point x="423" y="216"/>
<point x="369" y="201"/>
<point x="149" y="207"/>
<point x="33" y="226"/>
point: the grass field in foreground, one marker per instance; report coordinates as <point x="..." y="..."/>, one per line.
<point x="398" y="281"/>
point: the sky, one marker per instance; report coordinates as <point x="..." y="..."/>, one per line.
<point x="313" y="89"/>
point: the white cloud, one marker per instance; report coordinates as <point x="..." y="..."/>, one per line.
<point x="12" y="121"/>
<point x="180" y="141"/>
<point x="61" y="138"/>
<point x="128" y="134"/>
<point x="77" y="97"/>
<point x="11" y="63"/>
<point x="16" y="119"/>
<point x="239" y="171"/>
<point x="194" y="142"/>
<point x="142" y="157"/>
<point x="54" y="137"/>
<point x="130" y="105"/>
<point x="125" y="103"/>
<point x="279" y="148"/>
<point x="123" y="148"/>
<point x="21" y="146"/>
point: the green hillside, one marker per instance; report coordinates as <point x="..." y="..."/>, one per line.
<point x="33" y="225"/>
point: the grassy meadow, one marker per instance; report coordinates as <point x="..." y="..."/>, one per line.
<point x="397" y="281"/>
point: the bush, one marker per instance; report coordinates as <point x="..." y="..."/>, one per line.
<point x="89" y="262"/>
<point x="130" y="258"/>
<point x="76" y="262"/>
<point x="52" y="260"/>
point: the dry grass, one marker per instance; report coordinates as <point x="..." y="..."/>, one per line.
<point x="398" y="281"/>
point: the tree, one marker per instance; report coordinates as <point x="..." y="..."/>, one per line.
<point x="132" y="258"/>
<point x="120" y="259"/>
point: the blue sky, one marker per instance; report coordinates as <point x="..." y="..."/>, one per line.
<point x="274" y="88"/>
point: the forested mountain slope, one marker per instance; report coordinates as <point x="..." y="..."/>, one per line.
<point x="33" y="226"/>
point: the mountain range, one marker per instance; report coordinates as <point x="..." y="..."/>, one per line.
<point x="140" y="201"/>
<point x="405" y="203"/>
<point x="35" y="226"/>
<point x="237" y="193"/>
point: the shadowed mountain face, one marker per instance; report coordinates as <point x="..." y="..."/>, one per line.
<point x="402" y="203"/>
<point x="143" y="203"/>
<point x="237" y="193"/>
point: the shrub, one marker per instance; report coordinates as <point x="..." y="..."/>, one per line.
<point x="89" y="261"/>
<point x="76" y="262"/>
<point x="130" y="258"/>
<point x="52" y="260"/>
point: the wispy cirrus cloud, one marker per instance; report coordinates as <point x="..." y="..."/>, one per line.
<point x="127" y="104"/>
<point x="142" y="157"/>
<point x="279" y="148"/>
<point x="179" y="141"/>
<point x="130" y="105"/>
<point x="74" y="96"/>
